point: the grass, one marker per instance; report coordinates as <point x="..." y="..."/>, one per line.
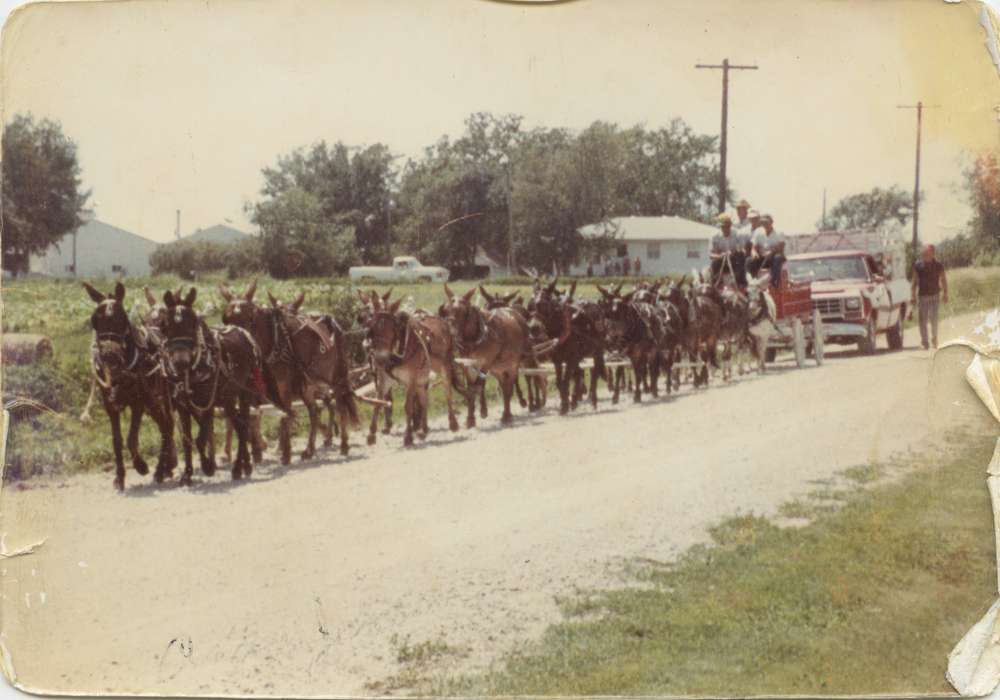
<point x="417" y="660"/>
<point x="59" y="308"/>
<point x="866" y="598"/>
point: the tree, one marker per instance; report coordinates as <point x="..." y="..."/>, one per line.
<point x="870" y="210"/>
<point x="42" y="199"/>
<point x="352" y="191"/>
<point x="299" y="238"/>
<point x="983" y="186"/>
<point x="455" y="198"/>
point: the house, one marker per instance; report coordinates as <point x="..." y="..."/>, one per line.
<point x="663" y="244"/>
<point x="101" y="250"/>
<point x="489" y="266"/>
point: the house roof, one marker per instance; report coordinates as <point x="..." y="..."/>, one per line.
<point x="220" y="233"/>
<point x="651" y="228"/>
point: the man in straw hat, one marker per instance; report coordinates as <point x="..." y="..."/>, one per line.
<point x="768" y="250"/>
<point x="741" y="222"/>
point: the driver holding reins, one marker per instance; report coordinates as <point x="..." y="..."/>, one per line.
<point x="732" y="247"/>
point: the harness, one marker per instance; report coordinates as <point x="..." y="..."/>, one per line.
<point x="203" y="359"/>
<point x="101" y="372"/>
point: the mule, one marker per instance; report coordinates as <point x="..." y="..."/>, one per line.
<point x="155" y="320"/>
<point x="704" y="329"/>
<point x="496" y="342"/>
<point x="319" y="352"/>
<point x="208" y="368"/>
<point x="127" y="373"/>
<point x="576" y="335"/>
<point x="537" y="384"/>
<point x="405" y="348"/>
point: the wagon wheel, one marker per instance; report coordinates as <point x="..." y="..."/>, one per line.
<point x="817" y="341"/>
<point x="799" y="342"/>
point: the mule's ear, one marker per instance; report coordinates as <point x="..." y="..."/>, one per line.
<point x="119" y="293"/>
<point x="224" y="291"/>
<point x="628" y="297"/>
<point x="468" y="295"/>
<point x="376" y="300"/>
<point x="552" y="287"/>
<point x="394" y="306"/>
<point x="486" y="295"/>
<point x="150" y="299"/>
<point x="248" y="294"/>
<point x="604" y="292"/>
<point x="572" y="290"/>
<point x="385" y="297"/>
<point x="618" y="288"/>
<point x="298" y="301"/>
<point x="362" y="296"/>
<point x="191" y="296"/>
<point x="510" y="297"/>
<point x="169" y="300"/>
<point x="271" y="298"/>
<point x="447" y="292"/>
<point x="94" y="294"/>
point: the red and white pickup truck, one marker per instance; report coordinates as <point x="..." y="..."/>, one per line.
<point x="857" y="293"/>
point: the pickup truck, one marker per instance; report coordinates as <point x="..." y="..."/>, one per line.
<point x="855" y="297"/>
<point x="404" y="268"/>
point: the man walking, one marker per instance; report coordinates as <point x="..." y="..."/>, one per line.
<point x="929" y="287"/>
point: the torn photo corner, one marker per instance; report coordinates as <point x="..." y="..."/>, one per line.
<point x="451" y="348"/>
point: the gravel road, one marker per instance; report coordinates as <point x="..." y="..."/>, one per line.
<point x="296" y="582"/>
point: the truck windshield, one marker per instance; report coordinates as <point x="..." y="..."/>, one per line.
<point x="828" y="269"/>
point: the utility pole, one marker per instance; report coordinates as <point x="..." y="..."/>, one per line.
<point x="920" y="107"/>
<point x="726" y="66"/>
<point x="824" y="209"/>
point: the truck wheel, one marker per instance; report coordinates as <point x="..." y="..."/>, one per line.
<point x="866" y="346"/>
<point x="895" y="334"/>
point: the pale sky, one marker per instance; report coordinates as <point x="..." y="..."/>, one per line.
<point x="179" y="104"/>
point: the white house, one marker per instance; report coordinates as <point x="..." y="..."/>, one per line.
<point x="101" y="250"/>
<point x="663" y="244"/>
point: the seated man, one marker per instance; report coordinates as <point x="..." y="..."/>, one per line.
<point x="731" y="247"/>
<point x="768" y="251"/>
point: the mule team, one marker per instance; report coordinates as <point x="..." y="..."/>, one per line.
<point x="173" y="362"/>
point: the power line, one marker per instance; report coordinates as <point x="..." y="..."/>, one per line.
<point x="725" y="66"/>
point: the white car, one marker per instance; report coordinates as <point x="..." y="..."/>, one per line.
<point x="405" y="268"/>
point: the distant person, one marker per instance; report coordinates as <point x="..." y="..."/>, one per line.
<point x="590" y="269"/>
<point x="627" y="266"/>
<point x="930" y="286"/>
<point x="638" y="266"/>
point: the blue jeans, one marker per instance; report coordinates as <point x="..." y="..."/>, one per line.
<point x="927" y="311"/>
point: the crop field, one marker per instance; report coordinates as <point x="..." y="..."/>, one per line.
<point x="61" y="310"/>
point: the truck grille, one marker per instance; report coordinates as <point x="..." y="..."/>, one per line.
<point x="829" y="308"/>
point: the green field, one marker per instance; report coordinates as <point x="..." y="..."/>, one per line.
<point x="56" y="442"/>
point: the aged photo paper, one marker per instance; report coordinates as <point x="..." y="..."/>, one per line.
<point x="471" y="348"/>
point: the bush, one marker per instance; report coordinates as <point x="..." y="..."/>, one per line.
<point x="181" y="258"/>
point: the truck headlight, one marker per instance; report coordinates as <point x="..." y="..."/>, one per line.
<point x="852" y="304"/>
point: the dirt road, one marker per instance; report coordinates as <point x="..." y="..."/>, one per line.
<point x="298" y="582"/>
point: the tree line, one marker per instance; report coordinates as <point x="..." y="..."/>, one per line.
<point x="516" y="193"/>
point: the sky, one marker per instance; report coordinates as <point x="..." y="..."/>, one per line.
<point x="179" y="104"/>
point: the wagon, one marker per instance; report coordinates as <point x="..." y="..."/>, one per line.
<point x="797" y="325"/>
